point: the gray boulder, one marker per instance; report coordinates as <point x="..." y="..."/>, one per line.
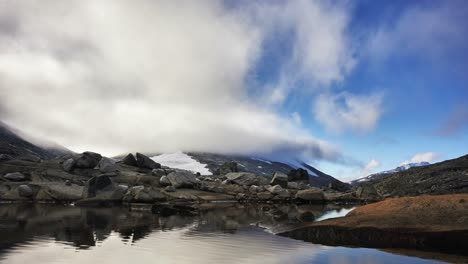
<point x="107" y="165"/>
<point x="264" y="195"/>
<point x="130" y="160"/>
<point x="59" y="192"/>
<point x="310" y="195"/>
<point x="164" y="181"/>
<point x="246" y="178"/>
<point x="87" y="160"/>
<point x="293" y="185"/>
<point x="145" y="162"/>
<point x="275" y="189"/>
<point x="253" y="189"/>
<point x="103" y="188"/>
<point x="68" y="165"/>
<point x="298" y="175"/>
<point x="181" y="179"/>
<point x="280" y="179"/>
<point x="25" y="190"/>
<point x="15" y="176"/>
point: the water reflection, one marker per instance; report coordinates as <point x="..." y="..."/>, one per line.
<point x="217" y="234"/>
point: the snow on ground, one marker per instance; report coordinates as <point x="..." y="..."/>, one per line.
<point x="262" y="160"/>
<point x="180" y="160"/>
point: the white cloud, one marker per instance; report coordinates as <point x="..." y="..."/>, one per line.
<point x="370" y="167"/>
<point x="345" y="111"/>
<point x="116" y="76"/>
<point x="428" y="157"/>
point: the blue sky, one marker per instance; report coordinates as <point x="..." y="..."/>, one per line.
<point x="421" y="76"/>
<point x="353" y="87"/>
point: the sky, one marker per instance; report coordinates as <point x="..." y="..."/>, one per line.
<point x="351" y="87"/>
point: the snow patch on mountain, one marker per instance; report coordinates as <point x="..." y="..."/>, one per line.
<point x="403" y="167"/>
<point x="180" y="160"/>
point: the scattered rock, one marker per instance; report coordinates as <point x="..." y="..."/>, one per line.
<point x="68" y="165"/>
<point x="130" y="160"/>
<point x="310" y="195"/>
<point x="15" y="176"/>
<point x="87" y="160"/>
<point x="181" y="179"/>
<point x="280" y="179"/>
<point x="164" y="181"/>
<point x="145" y="162"/>
<point x="107" y="165"/>
<point x="246" y="178"/>
<point x="25" y="190"/>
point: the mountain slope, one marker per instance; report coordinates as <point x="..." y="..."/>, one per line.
<point x="14" y="145"/>
<point x="383" y="173"/>
<point x="450" y="176"/>
<point x="266" y="167"/>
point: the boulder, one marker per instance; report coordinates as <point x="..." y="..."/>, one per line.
<point x="68" y="165"/>
<point x="298" y="175"/>
<point x="87" y="160"/>
<point x="103" y="188"/>
<point x="310" y="195"/>
<point x="164" y="181"/>
<point x="293" y="185"/>
<point x="280" y="179"/>
<point x="283" y="194"/>
<point x="145" y="162"/>
<point x="181" y="179"/>
<point x="25" y="190"/>
<point x="253" y="189"/>
<point x="130" y="160"/>
<point x="264" y="195"/>
<point x="15" y="176"/>
<point x="275" y="189"/>
<point x="246" y="178"/>
<point x="60" y="192"/>
<point x="227" y="167"/>
<point x="107" y="165"/>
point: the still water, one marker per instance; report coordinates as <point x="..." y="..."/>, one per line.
<point x="223" y="233"/>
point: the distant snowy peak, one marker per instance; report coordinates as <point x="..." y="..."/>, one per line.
<point x="402" y="167"/>
<point x="180" y="160"/>
<point x="412" y="165"/>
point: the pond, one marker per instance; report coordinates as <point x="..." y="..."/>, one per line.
<point x="221" y="233"/>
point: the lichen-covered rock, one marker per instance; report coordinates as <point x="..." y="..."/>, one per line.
<point x="68" y="165"/>
<point x="181" y="179"/>
<point x="25" y="190"/>
<point x="246" y="178"/>
<point x="107" y="165"/>
<point x="275" y="189"/>
<point x="164" y="181"/>
<point x="142" y="194"/>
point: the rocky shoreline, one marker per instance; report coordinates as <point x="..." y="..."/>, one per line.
<point x="88" y="179"/>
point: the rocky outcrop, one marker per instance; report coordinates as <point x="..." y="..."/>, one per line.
<point x="280" y="179"/>
<point x="130" y="160"/>
<point x="180" y="179"/>
<point x="145" y="162"/>
<point x="107" y="165"/>
<point x="87" y="160"/>
<point x="367" y="192"/>
<point x="103" y="188"/>
<point x="142" y="194"/>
